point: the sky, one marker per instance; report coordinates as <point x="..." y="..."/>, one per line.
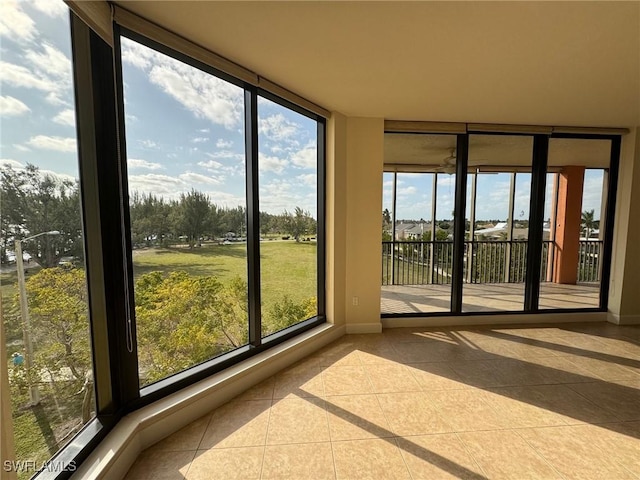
<point x="184" y="128"/>
<point x="415" y="192"/>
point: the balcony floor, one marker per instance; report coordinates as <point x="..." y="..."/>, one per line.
<point x="557" y="402"/>
<point x="485" y="297"/>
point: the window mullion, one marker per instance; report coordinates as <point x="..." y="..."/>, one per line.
<point x="253" y="215"/>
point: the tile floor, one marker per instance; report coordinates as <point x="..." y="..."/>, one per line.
<point x="485" y="297"/>
<point x="558" y="402"/>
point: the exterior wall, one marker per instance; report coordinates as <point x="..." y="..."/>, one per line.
<point x="568" y="222"/>
<point x="624" y="298"/>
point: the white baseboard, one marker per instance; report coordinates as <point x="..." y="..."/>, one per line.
<point x="624" y="319"/>
<point x="148" y="425"/>
<point x="364" y="328"/>
<point x="506" y="319"/>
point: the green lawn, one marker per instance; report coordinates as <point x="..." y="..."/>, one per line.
<point x="287" y="267"/>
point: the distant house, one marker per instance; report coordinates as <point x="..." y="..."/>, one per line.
<point x="411" y="230"/>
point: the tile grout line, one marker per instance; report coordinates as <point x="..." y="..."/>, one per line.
<point x="266" y="434"/>
<point x="471" y="456"/>
<point x="540" y="454"/>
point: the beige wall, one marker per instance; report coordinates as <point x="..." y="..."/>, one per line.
<point x="336" y="216"/>
<point x="624" y="298"/>
<point x="360" y="203"/>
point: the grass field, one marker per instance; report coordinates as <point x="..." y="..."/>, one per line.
<point x="287" y="267"/>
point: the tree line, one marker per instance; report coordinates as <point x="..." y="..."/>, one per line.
<point x="34" y="202"/>
<point x="193" y="217"/>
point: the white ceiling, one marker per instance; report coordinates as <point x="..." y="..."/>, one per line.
<point x="547" y="63"/>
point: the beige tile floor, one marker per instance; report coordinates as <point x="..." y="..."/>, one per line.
<point x="485" y="297"/>
<point x="558" y="402"/>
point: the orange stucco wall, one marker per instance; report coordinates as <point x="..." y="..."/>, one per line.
<point x="568" y="220"/>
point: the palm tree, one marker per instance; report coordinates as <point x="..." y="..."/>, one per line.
<point x="588" y="222"/>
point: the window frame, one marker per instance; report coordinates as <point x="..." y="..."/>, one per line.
<point x="256" y="344"/>
<point x="537" y="198"/>
<point x="99" y="105"/>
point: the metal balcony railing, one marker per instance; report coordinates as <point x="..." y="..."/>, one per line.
<point x="485" y="261"/>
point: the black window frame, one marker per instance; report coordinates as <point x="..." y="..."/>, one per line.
<point x="99" y="104"/>
<point x="537" y="196"/>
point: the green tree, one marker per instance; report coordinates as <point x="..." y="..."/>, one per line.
<point x="299" y="223"/>
<point x="286" y="312"/>
<point x="60" y="327"/>
<point x="588" y="222"/>
<point x="183" y="320"/>
<point x="193" y="216"/>
<point x="32" y="203"/>
<point x="149" y="219"/>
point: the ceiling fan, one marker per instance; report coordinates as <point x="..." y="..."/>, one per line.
<point x="448" y="163"/>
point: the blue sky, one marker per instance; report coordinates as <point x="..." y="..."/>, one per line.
<point x="184" y="128"/>
<point x="415" y="190"/>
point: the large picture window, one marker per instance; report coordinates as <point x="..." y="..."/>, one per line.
<point x="223" y="254"/>
<point x="535" y="231"/>
<point x="45" y="311"/>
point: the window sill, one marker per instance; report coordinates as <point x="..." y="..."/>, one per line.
<point x="146" y="426"/>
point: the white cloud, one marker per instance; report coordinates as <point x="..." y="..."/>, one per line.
<point x="8" y="162"/>
<point x="207" y="97"/>
<point x="226" y="154"/>
<point x="12" y="107"/>
<point x="305" y="158"/>
<point x="14" y="23"/>
<point x="272" y="164"/>
<point x="446" y="181"/>
<point x="284" y="194"/>
<point x="49" y="71"/>
<point x="204" y="130"/>
<point x="52" y="8"/>
<point x="148" y="143"/>
<point x="66" y="117"/>
<point x="21" y="148"/>
<point x="211" y="165"/>
<point x="60" y="144"/>
<point x="200" y="139"/>
<point x="222" y="143"/>
<point x="190" y="177"/>
<point x="225" y="199"/>
<point x="19" y="76"/>
<point x="131" y="118"/>
<point x="137" y="163"/>
<point x="310" y="179"/>
<point x="406" y="191"/>
<point x="277" y="127"/>
<point x="157" y="184"/>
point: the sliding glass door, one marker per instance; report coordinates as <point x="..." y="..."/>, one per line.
<point x="417" y="216"/>
<point x="537" y="222"/>
<point x="496" y="237"/>
<point x="577" y="199"/>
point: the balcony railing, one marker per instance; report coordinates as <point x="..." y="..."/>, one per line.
<point x="485" y="261"/>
